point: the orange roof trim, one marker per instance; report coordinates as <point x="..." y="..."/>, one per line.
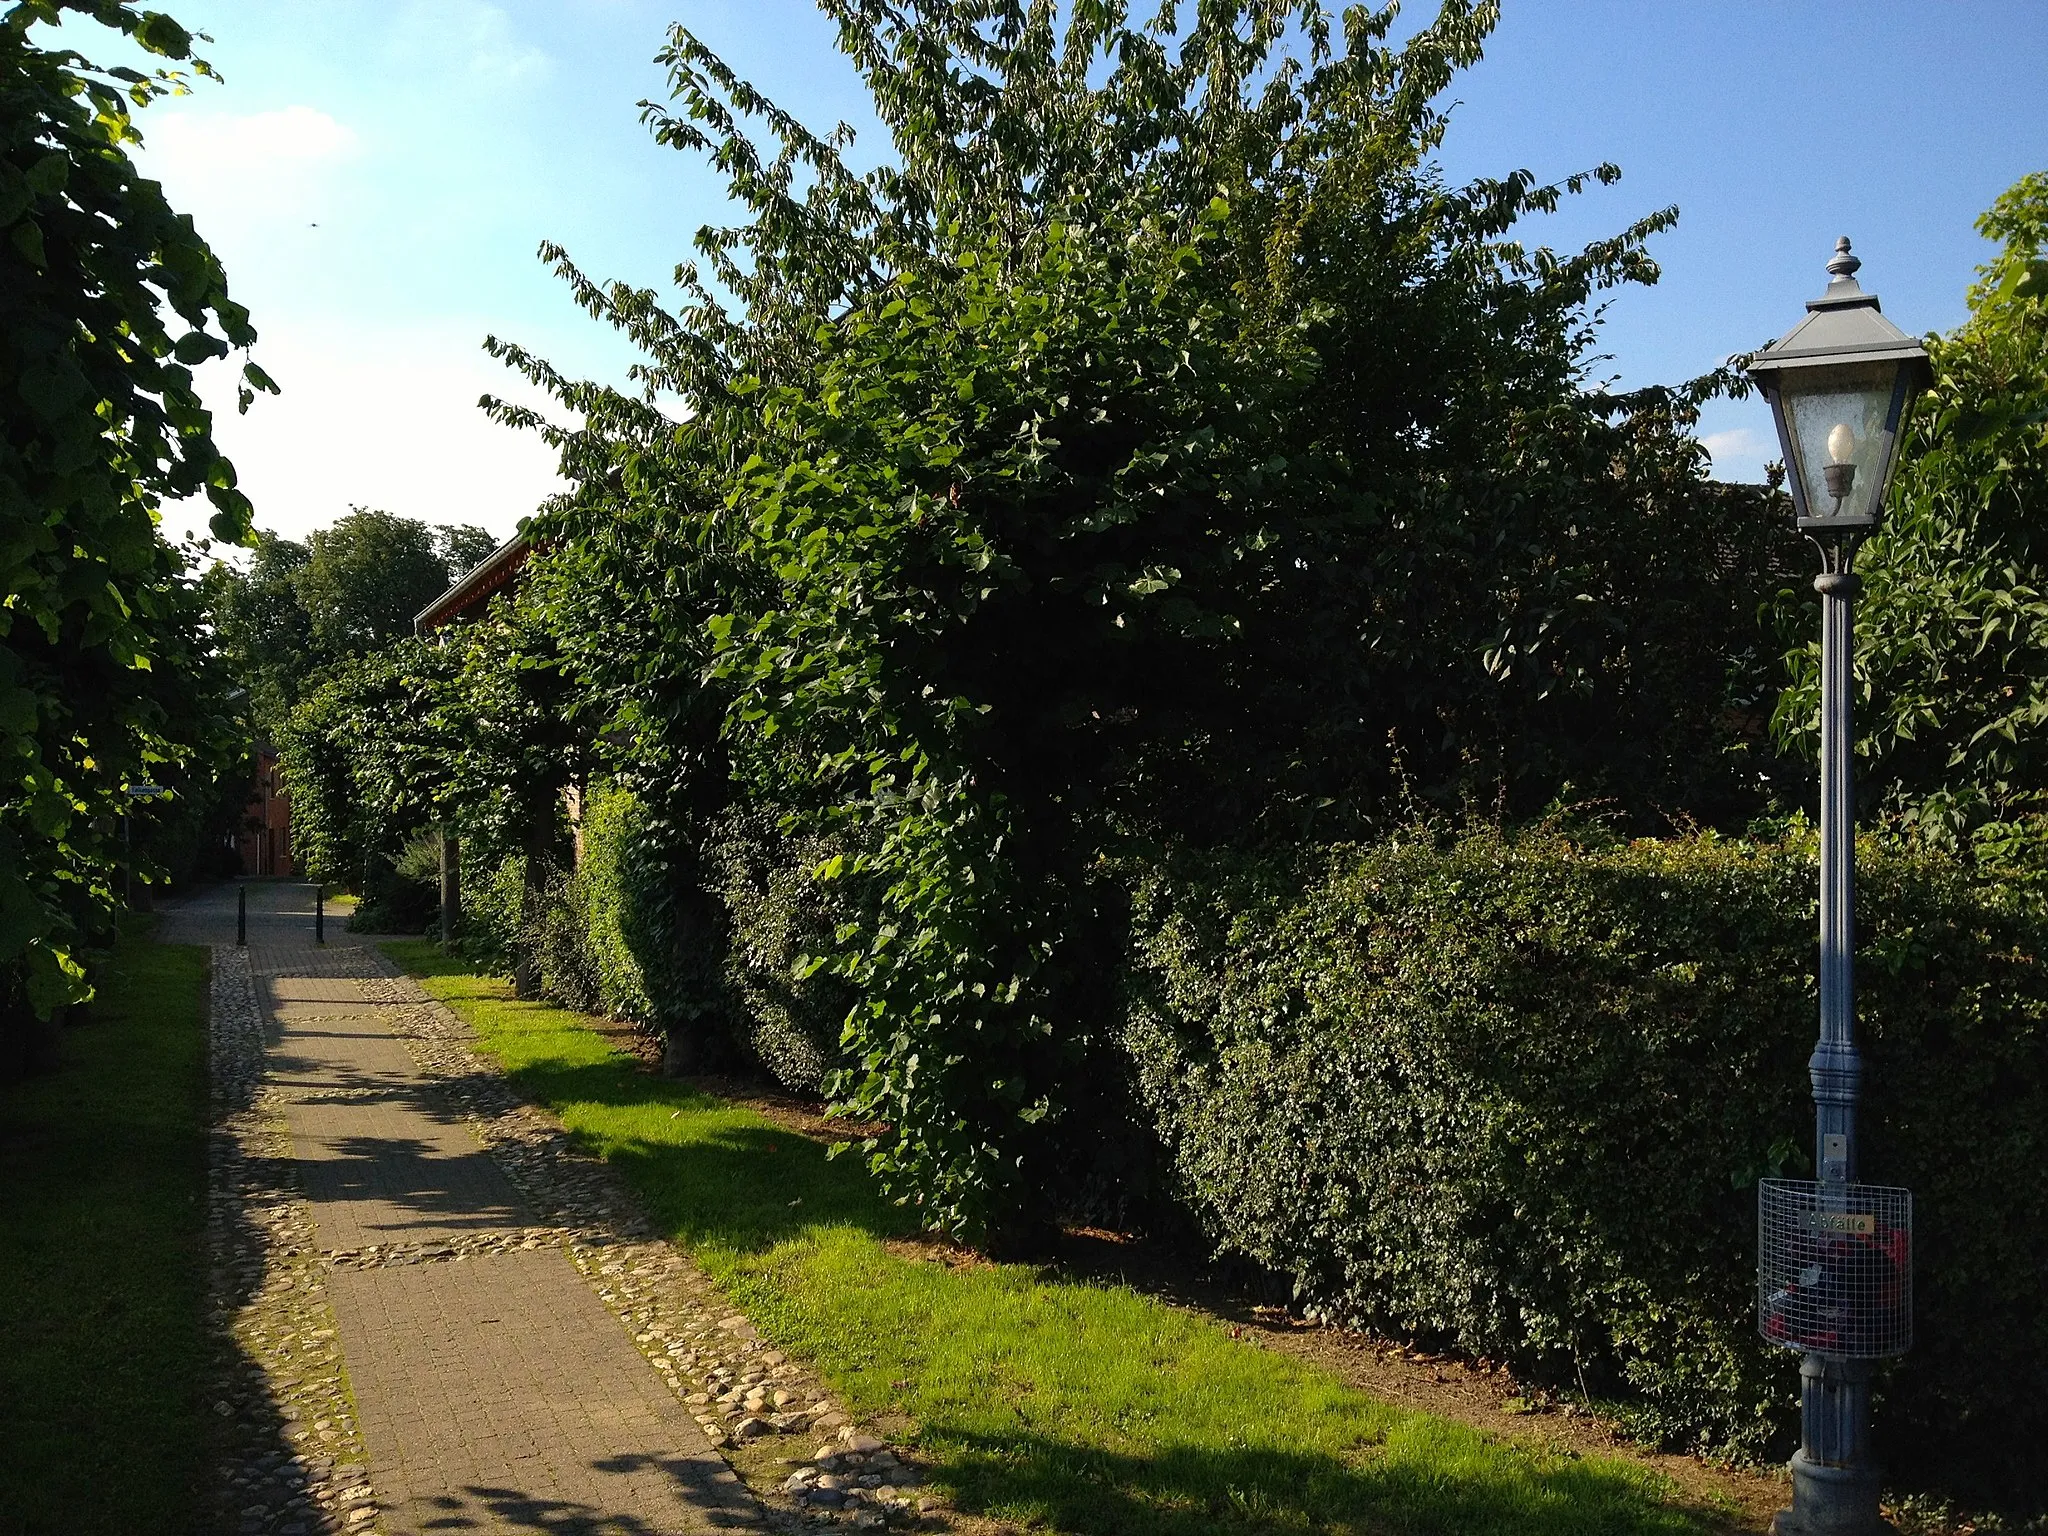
<point x="466" y="599"/>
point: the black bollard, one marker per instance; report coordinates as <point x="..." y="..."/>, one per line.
<point x="319" y="914"/>
<point x="241" y="916"/>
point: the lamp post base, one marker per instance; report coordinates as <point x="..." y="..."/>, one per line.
<point x="1831" y="1501"/>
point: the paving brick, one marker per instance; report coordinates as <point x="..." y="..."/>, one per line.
<point x="500" y="1394"/>
<point x="494" y="1392"/>
<point x="385" y="1170"/>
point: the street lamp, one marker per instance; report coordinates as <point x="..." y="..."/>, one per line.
<point x="1834" y="1255"/>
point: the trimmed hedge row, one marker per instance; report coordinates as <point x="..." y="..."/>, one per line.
<point x="789" y="1015"/>
<point x="1514" y="1096"/>
<point x="711" y="957"/>
<point x="1510" y="1095"/>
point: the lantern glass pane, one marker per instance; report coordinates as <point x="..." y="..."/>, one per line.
<point x="1837" y="421"/>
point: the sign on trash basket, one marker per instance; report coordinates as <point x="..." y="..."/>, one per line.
<point x="1835" y="1267"/>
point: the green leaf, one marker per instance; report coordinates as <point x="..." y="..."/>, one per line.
<point x="48" y="175"/>
<point x="27" y="238"/>
<point x="161" y="35"/>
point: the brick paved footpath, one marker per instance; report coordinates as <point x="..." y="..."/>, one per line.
<point x="495" y="1392"/>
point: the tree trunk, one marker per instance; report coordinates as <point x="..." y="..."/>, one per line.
<point x="680" y="1052"/>
<point x="532" y="898"/>
<point x="451" y="887"/>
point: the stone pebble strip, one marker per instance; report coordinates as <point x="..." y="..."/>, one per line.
<point x="735" y="1385"/>
<point x="290" y="1456"/>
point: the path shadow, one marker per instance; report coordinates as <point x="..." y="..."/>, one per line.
<point x="705" y="1484"/>
<point x="741" y="1184"/>
<point x="419" y="1185"/>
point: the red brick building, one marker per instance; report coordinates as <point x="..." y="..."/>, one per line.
<point x="265" y="840"/>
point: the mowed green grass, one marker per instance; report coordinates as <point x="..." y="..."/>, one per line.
<point x="102" y="1263"/>
<point x="1060" y="1405"/>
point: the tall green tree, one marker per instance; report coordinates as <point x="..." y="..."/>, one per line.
<point x="262" y="629"/>
<point x="1952" y="632"/>
<point x="296" y="610"/>
<point x="367" y="574"/>
<point x="108" y="301"/>
<point x="1155" y="453"/>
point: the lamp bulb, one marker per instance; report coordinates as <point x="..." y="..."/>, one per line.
<point x="1841" y="444"/>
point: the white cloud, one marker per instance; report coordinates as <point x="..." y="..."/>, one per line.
<point x="475" y="36"/>
<point x="380" y="420"/>
<point x="222" y="147"/>
<point x="246" y="177"/>
<point x="1739" y="453"/>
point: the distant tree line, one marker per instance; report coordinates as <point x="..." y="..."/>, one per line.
<point x="297" y="610"/>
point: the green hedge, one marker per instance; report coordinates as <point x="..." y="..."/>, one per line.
<point x="489" y="935"/>
<point x="1514" y="1096"/>
<point x="609" y="900"/>
<point x="644" y="930"/>
<point x="789" y="1014"/>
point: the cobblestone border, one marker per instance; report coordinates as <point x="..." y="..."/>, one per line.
<point x="734" y="1384"/>
<point x="290" y="1456"/>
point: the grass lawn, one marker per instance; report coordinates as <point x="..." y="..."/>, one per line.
<point x="102" y="1263"/>
<point x="1055" y="1404"/>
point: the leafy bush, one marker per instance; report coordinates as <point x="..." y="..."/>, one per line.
<point x="789" y="1013"/>
<point x="1514" y="1095"/>
<point x="493" y="892"/>
<point x="403" y="895"/>
<point x="556" y="935"/>
<point x="533" y="930"/>
<point x="602" y="936"/>
<point x="608" y="894"/>
<point x="351" y="756"/>
<point x="733" y="983"/>
<point x="391" y="903"/>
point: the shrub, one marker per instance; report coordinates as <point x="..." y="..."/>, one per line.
<point x="607" y="894"/>
<point x="404" y="895"/>
<point x="669" y="930"/>
<point x="539" y="934"/>
<point x="351" y="756"/>
<point x="492" y="891"/>
<point x="1514" y="1095"/>
<point x="556" y="939"/>
<point x="789" y="1014"/>
<point x="728" y="965"/>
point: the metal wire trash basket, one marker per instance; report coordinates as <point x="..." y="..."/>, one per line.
<point x="1835" y="1267"/>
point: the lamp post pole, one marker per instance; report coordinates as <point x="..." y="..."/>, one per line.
<point x="1834" y="1478"/>
<point x="1834" y="1260"/>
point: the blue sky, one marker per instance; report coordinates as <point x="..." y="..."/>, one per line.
<point x="376" y="177"/>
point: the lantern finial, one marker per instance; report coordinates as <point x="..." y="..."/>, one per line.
<point x="1842" y="265"/>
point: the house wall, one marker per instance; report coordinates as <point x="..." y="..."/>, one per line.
<point x="265" y="841"/>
